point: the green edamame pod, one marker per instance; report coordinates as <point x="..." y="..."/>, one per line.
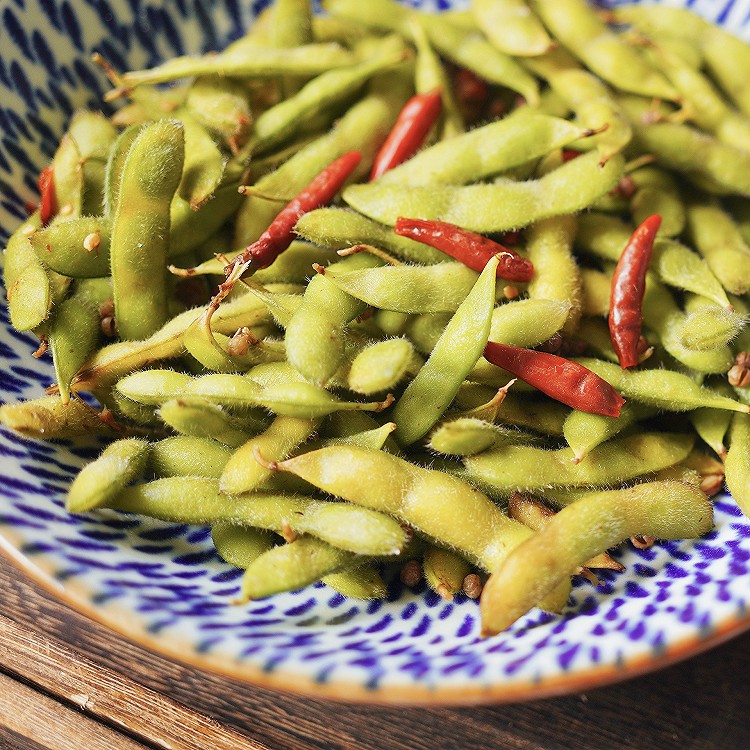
<point x="358" y="582"/>
<point x="100" y="481"/>
<point x="700" y="157"/>
<point x="73" y="335"/>
<point x="243" y="473"/>
<point x="661" y="314"/>
<point x="382" y="365"/>
<point x="243" y="61"/>
<point x="79" y="247"/>
<point x="68" y="178"/>
<point x="223" y="107"/>
<point x="292" y="566"/>
<point x="486" y="151"/>
<point x="184" y="456"/>
<point x="430" y="75"/>
<point x="444" y="571"/>
<point x="549" y="247"/>
<point x="204" y="163"/>
<point x="510" y="468"/>
<point x="666" y="510"/>
<point x="737" y="462"/>
<point x="432" y="502"/>
<point x="315" y="334"/>
<point x="712" y="426"/>
<point x="197" y="500"/>
<point x="657" y="192"/>
<point x="718" y="239"/>
<point x="467" y="436"/>
<point x="307" y="401"/>
<point x="26" y="280"/>
<point x="200" y="418"/>
<point x="455" y="353"/>
<point x="708" y="326"/>
<point x="577" y="27"/>
<point x="115" y="162"/>
<point x="140" y="229"/>
<point x="595" y="289"/>
<point x="340" y="228"/>
<point x="240" y="545"/>
<point x="664" y="389"/>
<point x="410" y="289"/>
<point x="512" y="27"/>
<point x="93" y="135"/>
<point x="584" y="431"/>
<point x="491" y="208"/>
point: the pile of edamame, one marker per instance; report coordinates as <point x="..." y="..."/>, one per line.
<point x="331" y="415"/>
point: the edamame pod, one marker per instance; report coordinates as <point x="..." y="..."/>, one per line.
<point x="511" y="468"/>
<point x="737" y="462"/>
<point x="664" y="389"/>
<point x="432" y="502"/>
<point x="437" y="382"/>
<point x="197" y="500"/>
<point x="140" y="229"/>
<point x="184" y="456"/>
<point x="48" y="418"/>
<point x="100" y="481"/>
<point x="340" y="228"/>
<point x="486" y="151"/>
<point x="492" y="208"/>
<point x="241" y="62"/>
<point x="595" y="522"/>
<point x="243" y="473"/>
<point x="79" y="247"/>
<point x="410" y="289"/>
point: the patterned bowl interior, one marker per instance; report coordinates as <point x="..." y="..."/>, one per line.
<point x="163" y="584"/>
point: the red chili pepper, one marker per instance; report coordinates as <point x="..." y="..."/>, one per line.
<point x="47" y="201"/>
<point x="568" y="154"/>
<point x="626" y="295"/>
<point x="472" y="249"/>
<point x="413" y="124"/>
<point x="561" y="379"/>
<point x="319" y="192"/>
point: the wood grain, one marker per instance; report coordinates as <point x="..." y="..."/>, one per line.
<point x="107" y="695"/>
<point x="701" y="704"/>
<point x="53" y="725"/>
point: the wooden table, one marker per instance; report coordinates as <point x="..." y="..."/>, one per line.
<point x="67" y="683"/>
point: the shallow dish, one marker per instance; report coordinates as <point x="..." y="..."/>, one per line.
<point x="164" y="586"/>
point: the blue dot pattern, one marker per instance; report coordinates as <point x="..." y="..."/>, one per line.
<point x="165" y="584"/>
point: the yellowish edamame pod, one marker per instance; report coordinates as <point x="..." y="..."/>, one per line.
<point x="100" y="481"/>
<point x="595" y="522"/>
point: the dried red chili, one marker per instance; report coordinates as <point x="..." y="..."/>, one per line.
<point x="280" y="234"/>
<point x="472" y="249"/>
<point x="628" y="287"/>
<point x="561" y="379"/>
<point x="412" y="126"/>
<point x="47" y="200"/>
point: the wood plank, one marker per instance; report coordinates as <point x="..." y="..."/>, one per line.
<point x="41" y="719"/>
<point x="108" y="695"/>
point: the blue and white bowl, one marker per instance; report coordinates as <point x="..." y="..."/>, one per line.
<point x="164" y="586"/>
